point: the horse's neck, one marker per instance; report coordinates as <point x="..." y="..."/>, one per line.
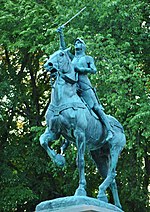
<point x="69" y="74"/>
<point x="64" y="92"/>
<point x="72" y="76"/>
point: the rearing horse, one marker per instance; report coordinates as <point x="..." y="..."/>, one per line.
<point x="67" y="115"/>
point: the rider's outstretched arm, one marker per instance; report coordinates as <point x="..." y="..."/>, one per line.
<point x="62" y="41"/>
<point x="61" y="37"/>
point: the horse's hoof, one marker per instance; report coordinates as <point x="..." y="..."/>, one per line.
<point x="103" y="198"/>
<point x="60" y="160"/>
<point x="80" y="192"/>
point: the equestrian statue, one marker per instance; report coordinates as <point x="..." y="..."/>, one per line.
<point x="76" y="114"/>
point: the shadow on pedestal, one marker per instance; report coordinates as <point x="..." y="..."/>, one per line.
<point x="76" y="204"/>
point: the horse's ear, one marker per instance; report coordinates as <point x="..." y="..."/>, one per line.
<point x="67" y="50"/>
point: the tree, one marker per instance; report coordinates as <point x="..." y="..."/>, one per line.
<point x="116" y="34"/>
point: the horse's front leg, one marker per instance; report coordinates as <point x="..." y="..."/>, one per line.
<point x="47" y="137"/>
<point x="64" y="146"/>
<point x="80" y="142"/>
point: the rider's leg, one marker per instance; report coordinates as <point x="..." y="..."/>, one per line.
<point x="90" y="98"/>
<point x="100" y="113"/>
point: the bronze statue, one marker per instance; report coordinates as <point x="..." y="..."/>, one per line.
<point x="71" y="115"/>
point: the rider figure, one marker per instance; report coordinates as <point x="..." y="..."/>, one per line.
<point x="83" y="65"/>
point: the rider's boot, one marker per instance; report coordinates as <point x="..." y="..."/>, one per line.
<point x="102" y="116"/>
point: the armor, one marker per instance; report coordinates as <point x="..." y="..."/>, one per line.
<point x="84" y="64"/>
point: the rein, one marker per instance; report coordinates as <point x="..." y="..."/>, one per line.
<point x="67" y="79"/>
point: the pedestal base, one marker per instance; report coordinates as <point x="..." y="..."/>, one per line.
<point x="76" y="204"/>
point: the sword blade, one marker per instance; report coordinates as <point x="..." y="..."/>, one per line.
<point x="73" y="17"/>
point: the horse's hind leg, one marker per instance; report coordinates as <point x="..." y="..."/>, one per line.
<point x="101" y="160"/>
<point x="113" y="187"/>
<point x="114" y="154"/>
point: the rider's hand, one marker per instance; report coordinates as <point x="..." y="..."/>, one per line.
<point x="60" y="29"/>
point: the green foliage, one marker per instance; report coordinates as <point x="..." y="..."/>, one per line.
<point x="117" y="36"/>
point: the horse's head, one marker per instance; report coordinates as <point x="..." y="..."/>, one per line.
<point x="59" y="62"/>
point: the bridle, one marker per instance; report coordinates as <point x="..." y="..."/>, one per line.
<point x="60" y="71"/>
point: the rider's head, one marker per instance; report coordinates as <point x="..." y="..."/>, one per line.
<point x="80" y="44"/>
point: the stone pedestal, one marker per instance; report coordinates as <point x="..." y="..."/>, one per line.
<point x="76" y="204"/>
